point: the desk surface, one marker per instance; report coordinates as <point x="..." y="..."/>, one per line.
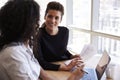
<point x="60" y="75"/>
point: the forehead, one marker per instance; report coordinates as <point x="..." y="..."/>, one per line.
<point x="54" y="13"/>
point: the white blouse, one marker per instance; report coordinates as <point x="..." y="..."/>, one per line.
<point x="17" y="62"/>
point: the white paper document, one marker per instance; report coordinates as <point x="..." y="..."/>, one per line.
<point x="86" y="53"/>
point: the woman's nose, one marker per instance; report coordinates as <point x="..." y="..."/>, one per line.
<point x="53" y="20"/>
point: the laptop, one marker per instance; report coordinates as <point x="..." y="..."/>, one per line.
<point x="97" y="72"/>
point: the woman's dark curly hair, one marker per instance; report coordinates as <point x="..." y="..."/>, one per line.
<point x="18" y="20"/>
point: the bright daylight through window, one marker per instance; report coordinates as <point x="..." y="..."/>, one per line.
<point x="96" y="22"/>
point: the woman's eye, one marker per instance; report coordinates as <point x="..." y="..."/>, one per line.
<point x="49" y="16"/>
<point x="56" y="18"/>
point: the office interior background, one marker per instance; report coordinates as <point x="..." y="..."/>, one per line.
<point x="94" y="22"/>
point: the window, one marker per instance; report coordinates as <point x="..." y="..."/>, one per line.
<point x="109" y="17"/>
<point x="82" y="13"/>
<point x="81" y="19"/>
<point x="100" y="19"/>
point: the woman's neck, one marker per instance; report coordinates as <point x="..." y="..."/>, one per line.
<point x="53" y="31"/>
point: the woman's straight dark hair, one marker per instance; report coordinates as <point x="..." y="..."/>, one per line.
<point x="53" y="5"/>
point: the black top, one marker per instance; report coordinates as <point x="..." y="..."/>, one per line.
<point x="52" y="48"/>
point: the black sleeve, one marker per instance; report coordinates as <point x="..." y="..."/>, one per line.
<point x="68" y="54"/>
<point x="67" y="37"/>
<point x="38" y="54"/>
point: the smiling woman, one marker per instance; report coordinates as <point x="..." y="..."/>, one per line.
<point x="53" y="39"/>
<point x="52" y="20"/>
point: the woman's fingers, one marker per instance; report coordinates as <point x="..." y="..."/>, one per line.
<point x="77" y="62"/>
